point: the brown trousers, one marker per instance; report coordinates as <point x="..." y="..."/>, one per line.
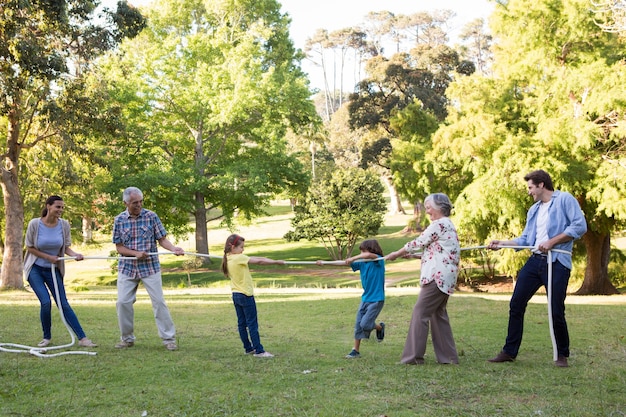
<point x="430" y="309"/>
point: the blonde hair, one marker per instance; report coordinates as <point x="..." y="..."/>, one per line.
<point x="232" y="241"/>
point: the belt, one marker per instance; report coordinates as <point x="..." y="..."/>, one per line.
<point x="540" y="255"/>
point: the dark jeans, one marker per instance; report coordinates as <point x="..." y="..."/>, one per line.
<point x="40" y="278"/>
<point x="245" y="306"/>
<point x="531" y="277"/>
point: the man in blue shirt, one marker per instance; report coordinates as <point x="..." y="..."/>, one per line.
<point x="136" y="232"/>
<point x="553" y="222"/>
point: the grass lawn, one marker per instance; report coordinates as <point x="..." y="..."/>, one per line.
<point x="310" y="331"/>
<point x="306" y="316"/>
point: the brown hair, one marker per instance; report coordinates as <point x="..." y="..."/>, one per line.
<point x="540" y="176"/>
<point x="371" y="246"/>
<point x="232" y="241"/>
<point x="50" y="201"/>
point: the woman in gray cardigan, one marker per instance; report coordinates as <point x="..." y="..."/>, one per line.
<point x="48" y="239"/>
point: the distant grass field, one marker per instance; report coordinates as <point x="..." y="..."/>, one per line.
<point x="264" y="237"/>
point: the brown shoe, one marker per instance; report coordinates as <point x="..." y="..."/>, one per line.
<point x="501" y="357"/>
<point x="561" y="362"/>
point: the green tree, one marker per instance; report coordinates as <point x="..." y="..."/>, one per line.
<point x="340" y="210"/>
<point x="406" y="155"/>
<point x="44" y="47"/>
<point x="476" y="45"/>
<point x="210" y="90"/>
<point x="556" y="103"/>
<point x="413" y="84"/>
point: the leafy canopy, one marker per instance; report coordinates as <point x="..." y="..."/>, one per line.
<point x="339" y="210"/>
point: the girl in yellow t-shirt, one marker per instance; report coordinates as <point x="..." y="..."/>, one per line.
<point x="235" y="267"/>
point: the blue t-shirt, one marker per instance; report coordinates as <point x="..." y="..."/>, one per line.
<point x="372" y="280"/>
<point x="50" y="241"/>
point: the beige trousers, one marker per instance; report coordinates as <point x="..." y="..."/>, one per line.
<point x="430" y="309"/>
<point x="126" y="297"/>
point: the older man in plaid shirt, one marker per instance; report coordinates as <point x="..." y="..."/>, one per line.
<point x="135" y="234"/>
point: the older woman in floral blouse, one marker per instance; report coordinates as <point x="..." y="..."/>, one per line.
<point x="439" y="271"/>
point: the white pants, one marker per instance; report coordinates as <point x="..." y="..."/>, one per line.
<point x="126" y="297"/>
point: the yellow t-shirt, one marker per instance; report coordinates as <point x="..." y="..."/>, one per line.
<point x="239" y="274"/>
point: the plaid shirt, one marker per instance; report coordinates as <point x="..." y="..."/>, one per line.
<point x="139" y="233"/>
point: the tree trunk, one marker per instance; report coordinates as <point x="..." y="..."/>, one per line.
<point x="12" y="268"/>
<point x="87" y="230"/>
<point x="417" y="222"/>
<point x="396" y="203"/>
<point x="597" y="280"/>
<point x="202" y="232"/>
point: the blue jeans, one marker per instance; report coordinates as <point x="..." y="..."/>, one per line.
<point x="531" y="277"/>
<point x="40" y="278"/>
<point x="247" y="323"/>
<point x="366" y="318"/>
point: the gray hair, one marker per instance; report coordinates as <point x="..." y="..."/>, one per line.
<point x="130" y="191"/>
<point x="440" y="202"/>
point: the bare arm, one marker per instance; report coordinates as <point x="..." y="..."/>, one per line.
<point x="167" y="245"/>
<point x="50" y="258"/>
<point x="258" y="260"/>
<point x="362" y="255"/>
<point x="549" y="244"/>
<point x="69" y="251"/>
<point x="124" y="251"/>
<point x="498" y="244"/>
<point x="397" y="254"/>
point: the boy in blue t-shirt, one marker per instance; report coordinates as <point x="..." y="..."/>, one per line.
<point x="373" y="298"/>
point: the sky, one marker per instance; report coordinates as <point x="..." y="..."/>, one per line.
<point x="308" y="16"/>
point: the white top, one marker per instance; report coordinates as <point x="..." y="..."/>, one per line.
<point x="542" y="225"/>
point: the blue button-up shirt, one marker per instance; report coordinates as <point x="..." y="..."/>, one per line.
<point x="139" y="233"/>
<point x="565" y="216"/>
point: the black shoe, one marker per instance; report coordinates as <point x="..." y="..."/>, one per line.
<point x="501" y="357"/>
<point x="561" y="362"/>
<point x="353" y="354"/>
<point x="380" y="334"/>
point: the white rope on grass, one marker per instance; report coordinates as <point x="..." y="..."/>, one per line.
<point x="42" y="352"/>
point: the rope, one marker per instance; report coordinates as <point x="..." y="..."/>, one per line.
<point x="43" y="352"/>
<point x="555" y="352"/>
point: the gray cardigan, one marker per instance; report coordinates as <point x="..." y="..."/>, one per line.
<point x="31" y="242"/>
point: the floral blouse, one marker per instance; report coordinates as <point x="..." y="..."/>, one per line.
<point x="441" y="256"/>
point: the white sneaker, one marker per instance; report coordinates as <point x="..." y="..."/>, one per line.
<point x="86" y="343"/>
<point x="44" y="343"/>
<point x="265" y="354"/>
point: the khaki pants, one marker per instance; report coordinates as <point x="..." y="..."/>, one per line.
<point x="126" y="297"/>
<point x="430" y="309"/>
